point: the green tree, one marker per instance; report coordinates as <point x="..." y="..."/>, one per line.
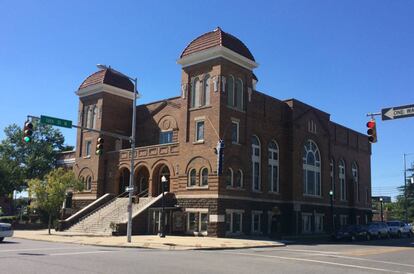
<point x="48" y="194"/>
<point x="21" y="161"/>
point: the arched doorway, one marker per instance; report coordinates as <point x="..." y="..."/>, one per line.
<point x="160" y="171"/>
<point x="123" y="180"/>
<point x="142" y="181"/>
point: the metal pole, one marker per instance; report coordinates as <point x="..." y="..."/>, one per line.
<point x="332" y="213"/>
<point x="131" y="175"/>
<point x="405" y="190"/>
<point x="162" y="234"/>
<point x="382" y="212"/>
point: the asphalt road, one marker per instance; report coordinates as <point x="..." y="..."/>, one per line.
<point x="381" y="256"/>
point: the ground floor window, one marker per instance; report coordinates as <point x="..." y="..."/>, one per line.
<point x="319" y="223"/>
<point x="197" y="221"/>
<point x="256" y="221"/>
<point x="343" y="220"/>
<point x="306" y="222"/>
<point x="234" y="221"/>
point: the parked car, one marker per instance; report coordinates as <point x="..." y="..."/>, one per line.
<point x="378" y="229"/>
<point x="5" y="231"/>
<point x="398" y="229"/>
<point x="352" y="233"/>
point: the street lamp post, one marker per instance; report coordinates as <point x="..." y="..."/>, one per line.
<point x="382" y="212"/>
<point x="405" y="186"/>
<point x="132" y="140"/>
<point x="332" y="211"/>
<point x="163" y="182"/>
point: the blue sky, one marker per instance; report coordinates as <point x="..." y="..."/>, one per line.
<point x="347" y="58"/>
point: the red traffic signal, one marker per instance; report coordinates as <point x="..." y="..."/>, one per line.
<point x="27" y="132"/>
<point x="372" y="131"/>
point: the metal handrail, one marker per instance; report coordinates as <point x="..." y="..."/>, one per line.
<point x="101" y="207"/>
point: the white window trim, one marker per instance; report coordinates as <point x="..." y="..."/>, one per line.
<point x="197" y="211"/>
<point x="310" y="229"/>
<point x="273" y="163"/>
<point x="237" y="122"/>
<point x="342" y="180"/>
<point x="355" y="176"/>
<point x="260" y="214"/>
<point x="231" y="179"/>
<point x="241" y="180"/>
<point x="256" y="159"/>
<point x="197" y="121"/>
<point x="319" y="215"/>
<point x="88" y="155"/>
<point x="201" y="177"/>
<point x="189" y="185"/>
<point x="231" y="212"/>
<point x="316" y="169"/>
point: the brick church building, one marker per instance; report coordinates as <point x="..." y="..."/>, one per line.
<point x="281" y="157"/>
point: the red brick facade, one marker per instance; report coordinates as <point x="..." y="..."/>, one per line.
<point x="206" y="203"/>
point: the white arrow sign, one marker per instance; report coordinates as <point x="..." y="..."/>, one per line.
<point x="397" y="112"/>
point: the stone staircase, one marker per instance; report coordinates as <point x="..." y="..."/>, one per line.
<point x="99" y="221"/>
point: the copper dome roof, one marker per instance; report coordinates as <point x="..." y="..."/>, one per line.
<point x="215" y="38"/>
<point x="107" y="76"/>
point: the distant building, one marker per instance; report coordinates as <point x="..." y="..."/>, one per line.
<point x="281" y="157"/>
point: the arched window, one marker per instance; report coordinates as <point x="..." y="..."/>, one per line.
<point x="204" y="177"/>
<point x="90" y="116"/>
<point x="206" y="91"/>
<point x="273" y="167"/>
<point x="355" y="178"/>
<point x="88" y="183"/>
<point x="86" y="115"/>
<point x="255" y="163"/>
<point x="195" y="93"/>
<point x="192" y="177"/>
<point x="229" y="177"/>
<point x="238" y="179"/>
<point x="342" y="184"/>
<point x="311" y="169"/>
<point x="238" y="95"/>
<point x="230" y="91"/>
<point x="332" y="176"/>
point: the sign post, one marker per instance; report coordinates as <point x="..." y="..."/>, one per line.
<point x="397" y="112"/>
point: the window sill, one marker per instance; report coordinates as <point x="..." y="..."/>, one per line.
<point x="274" y="192"/>
<point x="236" y="109"/>
<point x="256" y="191"/>
<point x="198" y="142"/>
<point x="236" y="144"/>
<point x="198" y="108"/>
<point x="312" y="196"/>
<point x="87" y="157"/>
<point x="196" y="187"/>
<point x="235" y="188"/>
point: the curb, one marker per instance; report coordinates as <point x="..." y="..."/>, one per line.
<point x="161" y="246"/>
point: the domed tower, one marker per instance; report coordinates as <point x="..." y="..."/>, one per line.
<point x="217" y="73"/>
<point x="105" y="103"/>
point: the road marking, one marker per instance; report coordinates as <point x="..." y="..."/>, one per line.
<point x="364" y="259"/>
<point x="80" y="253"/>
<point x="376" y="251"/>
<point x="313" y="251"/>
<point x="37" y="249"/>
<point x="318" y="261"/>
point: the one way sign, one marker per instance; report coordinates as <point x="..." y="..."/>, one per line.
<point x="397" y="112"/>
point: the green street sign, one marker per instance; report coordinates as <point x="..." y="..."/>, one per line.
<point x="55" y="121"/>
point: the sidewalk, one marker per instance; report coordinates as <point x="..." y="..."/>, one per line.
<point x="146" y="241"/>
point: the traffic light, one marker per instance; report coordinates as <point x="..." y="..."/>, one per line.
<point x="372" y="131"/>
<point x="99" y="146"/>
<point x="27" y="132"/>
<point x="220" y="156"/>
